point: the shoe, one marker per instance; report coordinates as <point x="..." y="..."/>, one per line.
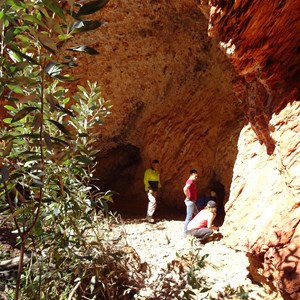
<point x="150" y="219"/>
<point x="197" y="244"/>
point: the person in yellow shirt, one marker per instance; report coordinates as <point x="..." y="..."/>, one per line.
<point x="152" y="185"/>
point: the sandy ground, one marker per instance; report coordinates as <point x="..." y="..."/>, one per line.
<point x="159" y="245"/>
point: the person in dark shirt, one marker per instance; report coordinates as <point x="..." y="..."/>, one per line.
<point x="207" y="196"/>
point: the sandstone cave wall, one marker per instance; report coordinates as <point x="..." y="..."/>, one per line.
<point x="177" y="98"/>
<point x="171" y="90"/>
<point x="262" y="39"/>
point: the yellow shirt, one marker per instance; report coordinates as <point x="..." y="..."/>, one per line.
<point x="151" y="180"/>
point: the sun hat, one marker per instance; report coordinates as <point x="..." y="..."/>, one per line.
<point x="211" y="204"/>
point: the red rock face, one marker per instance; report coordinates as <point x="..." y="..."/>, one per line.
<point x="179" y="98"/>
<point x="171" y="90"/>
<point x="262" y="215"/>
<point x="263" y="43"/>
<point x="176" y="98"/>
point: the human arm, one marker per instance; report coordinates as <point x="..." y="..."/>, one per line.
<point x="146" y="180"/>
<point x="210" y="221"/>
<point x="186" y="190"/>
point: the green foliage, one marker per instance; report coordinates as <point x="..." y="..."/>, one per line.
<point x="237" y="292"/>
<point x="47" y="154"/>
<point x="194" y="282"/>
<point x="192" y="275"/>
<point x="184" y="282"/>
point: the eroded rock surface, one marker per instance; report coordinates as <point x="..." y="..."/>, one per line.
<point x="262" y="215"/>
<point x="226" y="105"/>
<point x="233" y="114"/>
<point x="171" y="90"/>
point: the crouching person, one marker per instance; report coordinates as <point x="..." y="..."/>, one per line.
<point x="201" y="226"/>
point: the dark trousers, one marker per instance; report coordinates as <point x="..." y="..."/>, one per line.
<point x="200" y="233"/>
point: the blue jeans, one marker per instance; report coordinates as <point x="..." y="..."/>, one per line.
<point x="191" y="209"/>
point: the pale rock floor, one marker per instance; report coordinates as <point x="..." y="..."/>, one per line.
<point x="157" y="244"/>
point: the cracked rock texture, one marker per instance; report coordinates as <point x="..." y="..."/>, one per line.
<point x="210" y="85"/>
<point x="262" y="214"/>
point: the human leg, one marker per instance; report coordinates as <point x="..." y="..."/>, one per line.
<point x="152" y="203"/>
<point x="190" y="206"/>
<point x="202" y="233"/>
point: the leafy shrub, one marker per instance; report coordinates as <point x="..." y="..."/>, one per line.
<point x="47" y="155"/>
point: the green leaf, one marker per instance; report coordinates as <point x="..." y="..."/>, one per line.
<point x="84" y="159"/>
<point x="16" y="4"/>
<point x="21" y="80"/>
<point x="15" y="88"/>
<point x="60" y="141"/>
<point x="9" y="107"/>
<point x="52" y="101"/>
<point x="65" y="78"/>
<point x="16" y="213"/>
<point x="88" y="218"/>
<point x="82" y="88"/>
<point x="91" y="7"/>
<point x="7" y="120"/>
<point x="84" y="48"/>
<point x="26" y="39"/>
<point x="26" y="153"/>
<point x="83" y="135"/>
<point x="37" y="122"/>
<point x="61" y="127"/>
<point x="32" y="19"/>
<point x="9" y="35"/>
<point x="82" y="26"/>
<point x="48" y="142"/>
<point x="53" y="68"/>
<point x="37" y="183"/>
<point x="64" y="110"/>
<point x="25" y="56"/>
<point x="27" y="135"/>
<point x="33" y="158"/>
<point x="4" y="172"/>
<point x="8" y="148"/>
<point x="53" y="5"/>
<point x="47" y="42"/>
<point x="19" y="66"/>
<point x="16" y="175"/>
<point x="33" y="176"/>
<point x="38" y="229"/>
<point x="22" y="113"/>
<point x="111" y="193"/>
